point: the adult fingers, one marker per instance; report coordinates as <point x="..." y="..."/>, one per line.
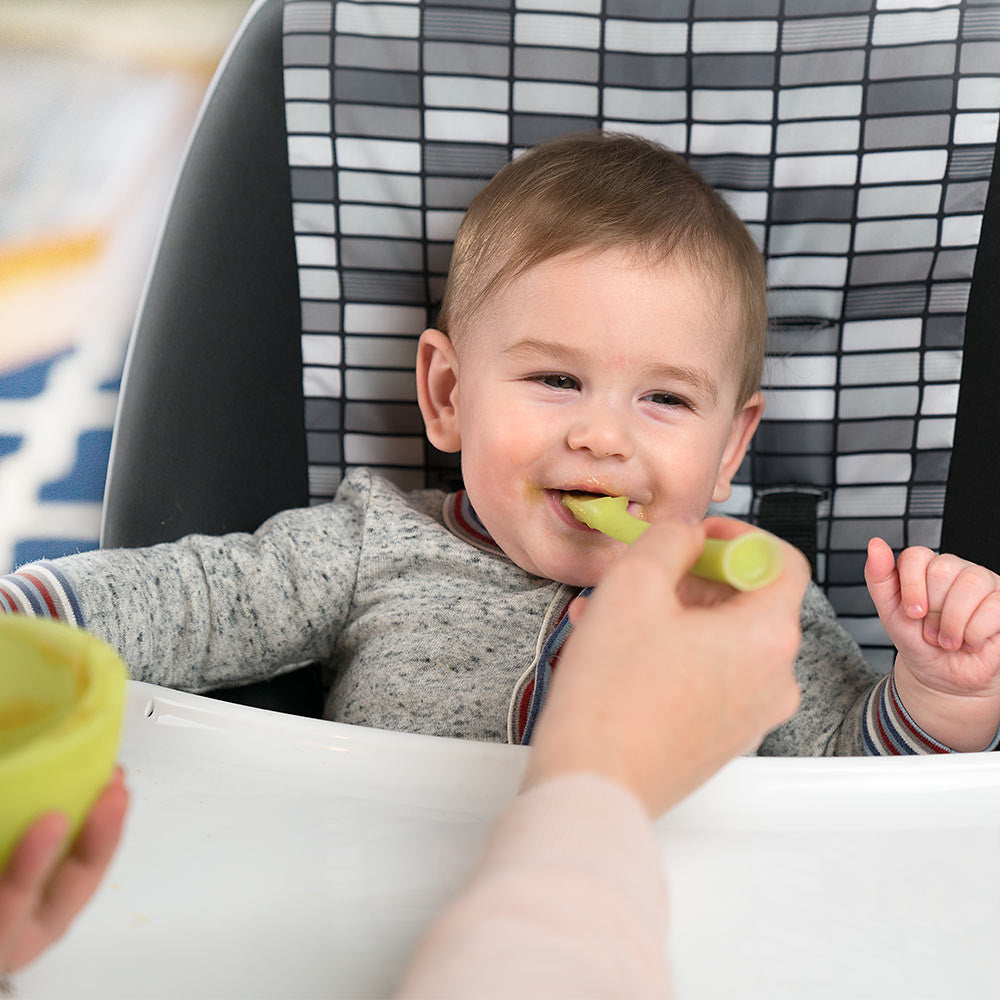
<point x="79" y="875"/>
<point x="24" y="878"/>
<point x="699" y="592"/>
<point x="74" y="881"/>
<point x="660" y="558"/>
<point x="726" y="527"/>
<point x="769" y="622"/>
<point x="576" y="610"/>
<point x="787" y="590"/>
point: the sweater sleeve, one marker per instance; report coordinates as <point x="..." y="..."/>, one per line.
<point x="888" y="730"/>
<point x="569" y="901"/>
<point x="836" y="681"/>
<point x="209" y="611"/>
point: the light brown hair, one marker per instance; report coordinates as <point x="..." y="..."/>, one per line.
<point x="598" y="191"/>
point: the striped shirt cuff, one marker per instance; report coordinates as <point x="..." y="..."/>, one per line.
<point x="888" y="730"/>
<point x="40" y="589"/>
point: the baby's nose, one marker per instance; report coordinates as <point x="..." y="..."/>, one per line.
<point x="604" y="435"/>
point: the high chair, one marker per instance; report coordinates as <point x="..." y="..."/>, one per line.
<point x="309" y="235"/>
<point x="307" y="243"/>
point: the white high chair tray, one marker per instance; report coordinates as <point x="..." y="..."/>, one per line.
<point x="273" y="856"/>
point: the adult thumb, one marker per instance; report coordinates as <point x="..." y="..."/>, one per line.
<point x="577" y="608"/>
<point x="672" y="545"/>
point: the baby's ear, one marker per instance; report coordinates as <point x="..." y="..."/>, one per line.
<point x="437" y="389"/>
<point x="744" y="424"/>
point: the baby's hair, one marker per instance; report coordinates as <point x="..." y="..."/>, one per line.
<point x="599" y="191"/>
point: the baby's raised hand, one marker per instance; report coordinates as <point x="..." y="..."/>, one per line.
<point x="943" y="615"/>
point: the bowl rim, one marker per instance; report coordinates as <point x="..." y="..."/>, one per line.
<point x="103" y="693"/>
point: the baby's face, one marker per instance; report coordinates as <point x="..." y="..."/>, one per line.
<point x="595" y="373"/>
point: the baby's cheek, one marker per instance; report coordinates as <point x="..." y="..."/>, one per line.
<point x="492" y="493"/>
<point x="695" y="498"/>
<point x="532" y="493"/>
<point x="503" y="466"/>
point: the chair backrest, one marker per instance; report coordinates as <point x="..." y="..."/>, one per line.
<point x="312" y="227"/>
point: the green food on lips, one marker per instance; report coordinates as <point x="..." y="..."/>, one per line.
<point x="748" y="562"/>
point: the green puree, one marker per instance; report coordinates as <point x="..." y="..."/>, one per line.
<point x="753" y="560"/>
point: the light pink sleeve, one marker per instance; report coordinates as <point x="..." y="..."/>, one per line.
<point x="568" y="901"/>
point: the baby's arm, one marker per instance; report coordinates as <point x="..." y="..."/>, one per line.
<point x="208" y="611"/>
<point x="943" y="615"/>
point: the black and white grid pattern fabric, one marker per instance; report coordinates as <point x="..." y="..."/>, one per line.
<point x="855" y="137"/>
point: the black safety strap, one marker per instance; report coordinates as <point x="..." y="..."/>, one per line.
<point x="971" y="527"/>
<point x="791" y="514"/>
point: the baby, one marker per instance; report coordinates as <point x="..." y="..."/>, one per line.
<point x="603" y="331"/>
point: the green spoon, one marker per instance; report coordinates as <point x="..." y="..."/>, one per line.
<point x="750" y="561"/>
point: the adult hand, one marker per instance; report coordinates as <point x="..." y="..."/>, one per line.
<point x="41" y="894"/>
<point x="666" y="678"/>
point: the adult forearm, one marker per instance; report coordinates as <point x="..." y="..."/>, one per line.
<point x="568" y="901"/>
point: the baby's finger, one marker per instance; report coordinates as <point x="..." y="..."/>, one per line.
<point x="941" y="573"/>
<point x="914" y="596"/>
<point x="984" y="623"/>
<point x="932" y="627"/>
<point x="881" y="577"/>
<point x="968" y="590"/>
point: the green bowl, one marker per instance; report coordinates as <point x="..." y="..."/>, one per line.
<point x="62" y="694"/>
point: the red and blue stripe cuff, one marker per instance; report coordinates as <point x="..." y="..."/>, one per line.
<point x="888" y="730"/>
<point x="40" y="589"/>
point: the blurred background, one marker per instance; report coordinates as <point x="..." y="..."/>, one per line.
<point x="97" y="99"/>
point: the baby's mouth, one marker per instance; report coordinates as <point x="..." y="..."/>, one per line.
<point x="633" y="505"/>
<point x="556" y="497"/>
<point x="585" y="494"/>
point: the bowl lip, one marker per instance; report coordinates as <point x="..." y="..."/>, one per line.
<point x="103" y="695"/>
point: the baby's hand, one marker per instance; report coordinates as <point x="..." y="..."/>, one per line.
<point x="943" y="615"/>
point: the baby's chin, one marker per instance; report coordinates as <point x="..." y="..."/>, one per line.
<point x="573" y="573"/>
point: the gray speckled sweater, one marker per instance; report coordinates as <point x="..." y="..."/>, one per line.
<point x="422" y="624"/>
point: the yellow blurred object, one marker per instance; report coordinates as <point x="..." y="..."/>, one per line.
<point x="62" y="695"/>
<point x="184" y="35"/>
<point x="97" y="100"/>
<point x="51" y="254"/>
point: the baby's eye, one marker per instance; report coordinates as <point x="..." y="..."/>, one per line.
<point x="667" y="399"/>
<point x="557" y="381"/>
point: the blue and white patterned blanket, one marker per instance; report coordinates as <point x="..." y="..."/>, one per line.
<point x="56" y="416"/>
